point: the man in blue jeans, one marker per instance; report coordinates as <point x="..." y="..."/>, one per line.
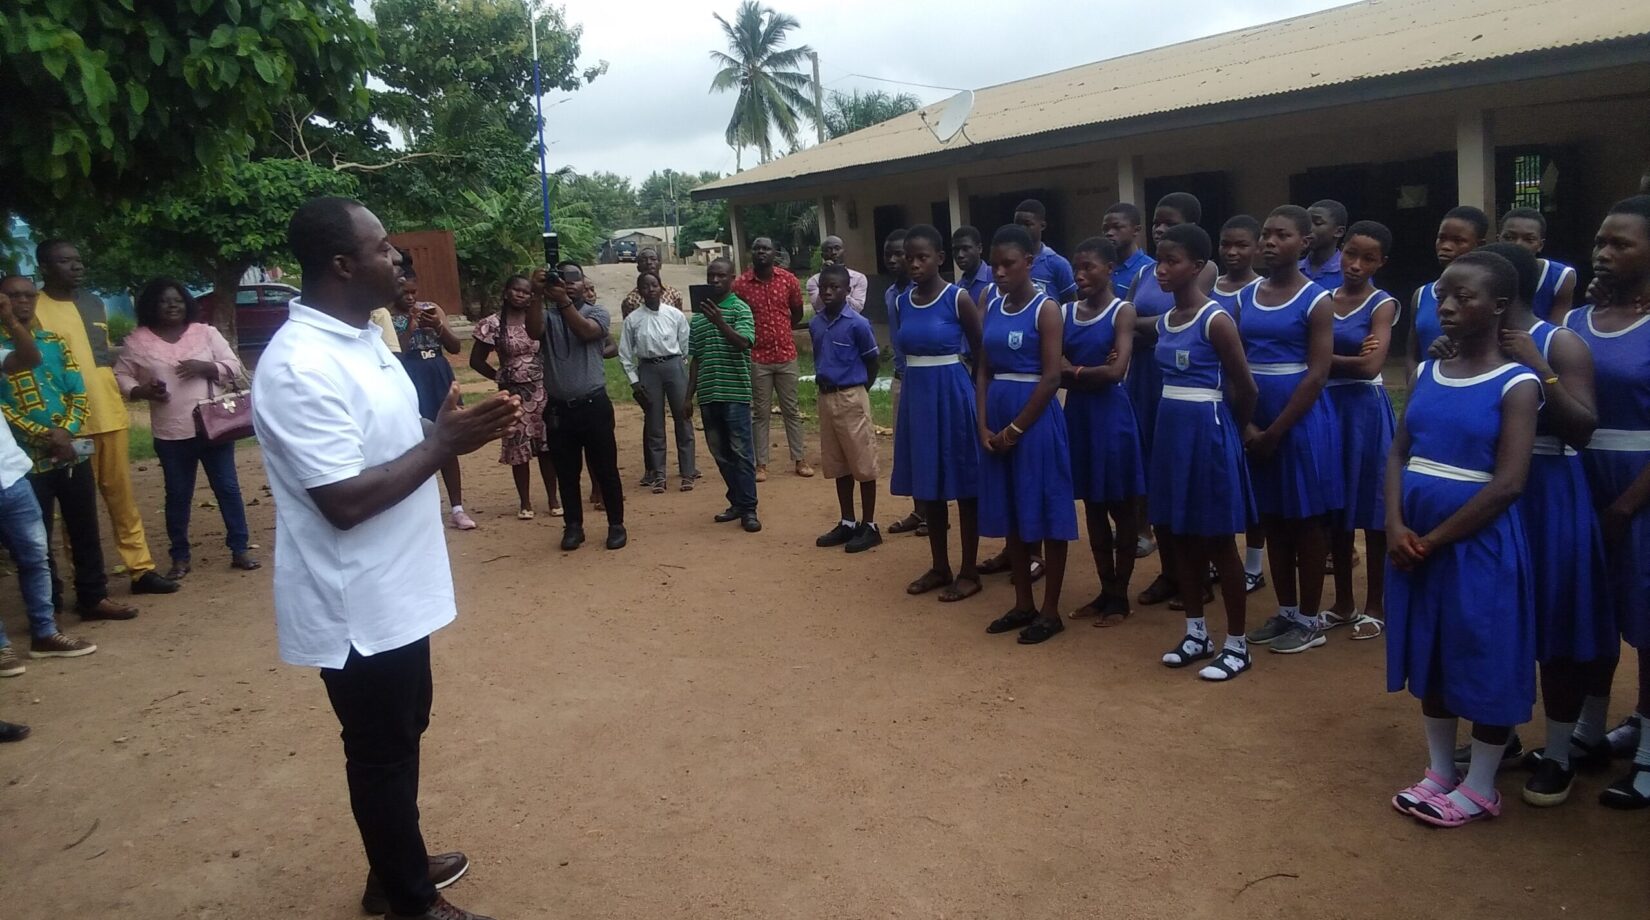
<point x="22" y="529"/>
<point x="720" y="339"/>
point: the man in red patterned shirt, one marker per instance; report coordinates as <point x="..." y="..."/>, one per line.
<point x="775" y="297"/>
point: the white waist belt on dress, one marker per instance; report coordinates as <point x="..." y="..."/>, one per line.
<point x="1018" y="378"/>
<point x="1445" y="471"/>
<point x="1193" y="394"/>
<point x="1277" y="370"/>
<point x="931" y="360"/>
<point x="1619" y="439"/>
<point x="1353" y="382"/>
<point x="1547" y="445"/>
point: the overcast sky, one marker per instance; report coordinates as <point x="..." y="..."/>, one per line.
<point x="653" y="108"/>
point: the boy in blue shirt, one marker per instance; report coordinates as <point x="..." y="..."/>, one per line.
<point x="846" y="361"/>
<point x="1122" y="224"/>
<point x="1049" y="269"/>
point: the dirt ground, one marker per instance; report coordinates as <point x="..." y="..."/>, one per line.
<point x="716" y="724"/>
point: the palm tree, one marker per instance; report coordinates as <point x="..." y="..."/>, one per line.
<point x="773" y="91"/>
<point x="846" y="113"/>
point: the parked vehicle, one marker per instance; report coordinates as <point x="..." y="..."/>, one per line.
<point x="260" y="309"/>
<point x="625" y="250"/>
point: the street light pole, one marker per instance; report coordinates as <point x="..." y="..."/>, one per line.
<point x="552" y="250"/>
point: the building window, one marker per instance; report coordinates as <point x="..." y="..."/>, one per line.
<point x="1530" y="181"/>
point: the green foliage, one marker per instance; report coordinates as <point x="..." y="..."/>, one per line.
<point x="118" y="94"/>
<point x="611" y="201"/>
<point x="846" y="113"/>
<point x="773" y="92"/>
<point x="119" y="326"/>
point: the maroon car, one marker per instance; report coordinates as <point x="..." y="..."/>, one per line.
<point x="260" y="309"/>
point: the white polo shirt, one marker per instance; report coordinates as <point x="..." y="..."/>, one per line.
<point x="14" y="464"/>
<point x="329" y="402"/>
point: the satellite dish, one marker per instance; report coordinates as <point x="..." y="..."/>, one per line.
<point x="952" y="114"/>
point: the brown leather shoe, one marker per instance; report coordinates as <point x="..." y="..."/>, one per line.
<point x="109" y="609"/>
<point x="445" y="869"/>
<point x="803" y="469"/>
<point x="441" y="910"/>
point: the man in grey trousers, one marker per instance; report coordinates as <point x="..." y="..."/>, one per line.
<point x="653" y="350"/>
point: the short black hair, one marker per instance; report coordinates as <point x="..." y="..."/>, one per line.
<point x="654" y="276"/>
<point x="1638" y="205"/>
<point x="898" y="236"/>
<point x="1374" y="230"/>
<point x="42" y="251"/>
<point x="1192" y="238"/>
<point x="1100" y="246"/>
<point x="1296" y="213"/>
<point x="1337" y="211"/>
<point x="1523" y="262"/>
<point x="967" y="232"/>
<point x="1526" y="214"/>
<point x="147" y="305"/>
<point x="720" y="260"/>
<point x="320" y="229"/>
<point x="1191" y="210"/>
<point x="1129" y="211"/>
<point x="1012" y="235"/>
<point x="1471" y="215"/>
<point x="926" y="232"/>
<point x="408" y="273"/>
<point x="1242" y="222"/>
<point x="1030" y="206"/>
<point x="1503" y="275"/>
<point x="836" y="270"/>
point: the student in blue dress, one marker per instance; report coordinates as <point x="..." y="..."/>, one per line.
<point x="1107" y="473"/>
<point x="1463" y="229"/>
<point x="1461" y="603"/>
<point x="1617" y="462"/>
<point x="893" y="262"/>
<point x="1322" y="262"/>
<point x="1145" y="382"/>
<point x="1241" y="264"/>
<point x="1121" y="225"/>
<point x="1049" y="269"/>
<point x="1555" y="292"/>
<point x="1025" y="466"/>
<point x="1293" y="444"/>
<point x="1364" y="317"/>
<point x="936" y="453"/>
<point x="1199" y="493"/>
<point x="968" y="254"/>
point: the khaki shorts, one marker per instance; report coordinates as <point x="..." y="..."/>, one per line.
<point x="847" y="441"/>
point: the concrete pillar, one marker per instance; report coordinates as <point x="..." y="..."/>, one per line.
<point x="736" y="238"/>
<point x="827" y="217"/>
<point x="1131" y="181"/>
<point x="1475" y="160"/>
<point x="958" y="200"/>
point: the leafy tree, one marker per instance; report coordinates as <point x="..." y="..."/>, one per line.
<point x="103" y="98"/>
<point x="846" y="113"/>
<point x="610" y="198"/>
<point x="773" y="93"/>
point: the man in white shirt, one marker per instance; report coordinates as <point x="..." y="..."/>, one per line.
<point x="361" y="571"/>
<point x="653" y="348"/>
<point x="830" y="251"/>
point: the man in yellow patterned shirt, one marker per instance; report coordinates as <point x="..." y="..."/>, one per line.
<point x="78" y="317"/>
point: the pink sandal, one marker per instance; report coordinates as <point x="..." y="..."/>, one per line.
<point x="1407" y="799"/>
<point x="1441" y="810"/>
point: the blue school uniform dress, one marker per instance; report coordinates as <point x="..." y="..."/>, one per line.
<point x="1228" y="300"/>
<point x="1363" y="417"/>
<point x="1027" y="490"/>
<point x="1200" y="486"/>
<point x="426" y="363"/>
<point x="936" y="440"/>
<point x="1463" y="621"/>
<point x="1105" y="439"/>
<point x="1427" y="328"/>
<point x="1145" y="380"/>
<point x="1618" y="452"/>
<point x="1302" y="478"/>
<point x="1553" y="274"/>
<point x="1566" y="551"/>
<point x="1123" y="276"/>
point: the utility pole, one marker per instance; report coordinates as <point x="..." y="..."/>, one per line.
<point x="819" y="100"/>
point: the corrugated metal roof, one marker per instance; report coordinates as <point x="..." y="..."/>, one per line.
<point x="1361" y="41"/>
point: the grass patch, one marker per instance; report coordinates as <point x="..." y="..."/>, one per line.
<point x="142" y="444"/>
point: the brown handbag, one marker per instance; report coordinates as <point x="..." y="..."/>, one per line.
<point x="224" y="417"/>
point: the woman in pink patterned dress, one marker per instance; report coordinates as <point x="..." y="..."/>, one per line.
<point x="519" y="372"/>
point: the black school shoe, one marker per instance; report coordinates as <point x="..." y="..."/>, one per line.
<point x="153" y="582"/>
<point x="865" y="537"/>
<point x="1586" y="757"/>
<point x="445" y="869"/>
<point x="729" y="514"/>
<point x="838" y="535"/>
<point x="617" y="537"/>
<point x="1621" y="794"/>
<point x="1513" y="754"/>
<point x="572" y="537"/>
<point x="11" y="731"/>
<point x="750" y="522"/>
<point x="1549" y="784"/>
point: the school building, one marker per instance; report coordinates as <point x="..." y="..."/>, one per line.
<point x="1400" y="109"/>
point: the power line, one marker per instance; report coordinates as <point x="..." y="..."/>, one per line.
<point x="866" y="76"/>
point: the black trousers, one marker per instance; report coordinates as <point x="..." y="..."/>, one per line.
<point x="580" y="432"/>
<point x="73" y="491"/>
<point x="383" y="704"/>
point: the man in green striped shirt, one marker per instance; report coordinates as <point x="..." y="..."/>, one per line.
<point x="720" y="340"/>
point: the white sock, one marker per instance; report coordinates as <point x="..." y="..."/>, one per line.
<point x="1237" y="644"/>
<point x="1558" y="742"/>
<point x="870" y="524"/>
<point x="1252" y="560"/>
<point x="1486" y="759"/>
<point x="1625" y="735"/>
<point x="1197" y="628"/>
<point x="1294" y="615"/>
<point x="1440" y="749"/>
<point x="1594" y="721"/>
<point x="1641" y="781"/>
<point x="458" y="509"/>
<point x="845" y="523"/>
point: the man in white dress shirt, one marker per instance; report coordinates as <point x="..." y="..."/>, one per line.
<point x="830" y="251"/>
<point x="653" y="350"/>
<point x="361" y="571"/>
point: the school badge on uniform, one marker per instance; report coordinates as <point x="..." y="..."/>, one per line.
<point x="1015" y="339"/>
<point x="1182" y="358"/>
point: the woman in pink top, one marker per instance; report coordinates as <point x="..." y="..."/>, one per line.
<point x="174" y="362"/>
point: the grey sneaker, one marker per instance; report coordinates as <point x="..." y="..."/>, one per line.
<point x="10" y="664"/>
<point x="1270" y="630"/>
<point x="1298" y="639"/>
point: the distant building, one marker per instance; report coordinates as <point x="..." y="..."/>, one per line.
<point x="708" y="251"/>
<point x="623" y="245"/>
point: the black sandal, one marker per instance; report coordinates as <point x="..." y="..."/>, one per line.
<point x="1092" y="610"/>
<point x="1621" y="794"/>
<point x="953" y="593"/>
<point x="996" y="565"/>
<point x="1190" y="651"/>
<point x="1230" y="663"/>
<point x="1114" y="610"/>
<point x="1012" y="620"/>
<point x="1042" y="630"/>
<point x="931" y="580"/>
<point x="1157" y="592"/>
<point x="906" y="524"/>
